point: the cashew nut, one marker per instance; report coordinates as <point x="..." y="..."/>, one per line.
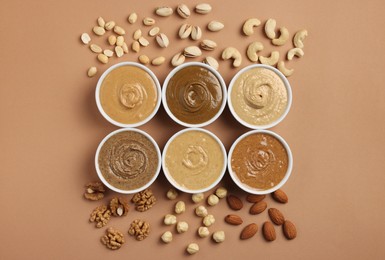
<point x="299" y="37"/>
<point x="248" y="26"/>
<point x="272" y="60"/>
<point x="285" y="71"/>
<point x="232" y="53"/>
<point x="270" y="28"/>
<point x="252" y="50"/>
<point x="295" y="52"/>
<point x="283" y="37"/>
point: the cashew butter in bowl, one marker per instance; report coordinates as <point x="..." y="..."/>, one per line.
<point x="128" y="94"/>
<point x="259" y="96"/>
<point x="194" y="160"/>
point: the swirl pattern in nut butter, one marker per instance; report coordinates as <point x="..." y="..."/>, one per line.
<point x="128" y="160"/>
<point x="194" y="95"/>
<point x="128" y="94"/>
<point x="260" y="161"/>
<point x="194" y="159"/>
<point x="259" y="96"/>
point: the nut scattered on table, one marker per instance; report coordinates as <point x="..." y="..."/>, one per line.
<point x="272" y="60"/>
<point x="280" y="196"/>
<point x="201" y="211"/>
<point x="203" y="8"/>
<point x="185" y="31"/>
<point x="183" y="11"/>
<point x="253" y="49"/>
<point x="143" y="41"/>
<point x="298" y="52"/>
<point x="248" y="26"/>
<point x="196" y="33"/>
<point x="85" y="38"/>
<point x="166" y="237"/>
<point x="208" y="220"/>
<point x="101" y="21"/>
<point x="100" y="215"/>
<point x="90" y="73"/>
<point x="249" y="231"/>
<point x="180" y="207"/>
<point x="132" y="18"/>
<point x="192" y="52"/>
<point x="282" y="68"/>
<point x="268" y="231"/>
<point x="254" y="198"/>
<point x="135" y="46"/>
<point x="113" y="239"/>
<point x="148" y="21"/>
<point x="102" y="58"/>
<point x="99" y="31"/>
<point x="162" y="40"/>
<point x="154" y="31"/>
<point x="219" y="236"/>
<point x="233" y="219"/>
<point x="192" y="248"/>
<point x="197" y="197"/>
<point x="172" y="194"/>
<point x="119" y="206"/>
<point x="94" y="190"/>
<point x="234" y="202"/>
<point x="111" y="40"/>
<point x="109" y="25"/>
<point x="95" y="48"/>
<point x="119" y="40"/>
<point x="144" y="200"/>
<point x="276" y="216"/>
<point x="108" y="53"/>
<point x="178" y="59"/>
<point x="119" y="30"/>
<point x="270" y="28"/>
<point x="203" y="232"/>
<point x="234" y="54"/>
<point x="169" y="219"/>
<point x="289" y="230"/>
<point x="282" y="39"/>
<point x="181" y="227"/>
<point x="208" y="45"/>
<point x="215" y="26"/>
<point x="212" y="200"/>
<point x="144" y="59"/>
<point x="212" y="62"/>
<point x="140" y="229"/>
<point x="158" y="61"/>
<point x="164" y="11"/>
<point x="299" y="37"/>
<point x="258" y="208"/>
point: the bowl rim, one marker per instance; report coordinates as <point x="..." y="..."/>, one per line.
<point x="217" y="75"/>
<point x="288" y="90"/>
<point x="99" y="84"/>
<point x="247" y="188"/>
<point x="99" y="172"/>
<point x="171" y="179"/>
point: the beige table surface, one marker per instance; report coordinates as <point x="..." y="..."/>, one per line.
<point x="50" y="128"/>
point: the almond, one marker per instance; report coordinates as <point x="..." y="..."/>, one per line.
<point x="268" y="231"/>
<point x="258" y="208"/>
<point x="249" y="231"/>
<point x="255" y="198"/>
<point x="233" y="220"/>
<point x="234" y="202"/>
<point x="289" y="230"/>
<point x="276" y="216"/>
<point x="280" y="196"/>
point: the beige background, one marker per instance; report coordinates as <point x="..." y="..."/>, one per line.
<point x="50" y="128"/>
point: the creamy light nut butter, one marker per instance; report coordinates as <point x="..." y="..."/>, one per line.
<point x="128" y="94"/>
<point x="260" y="161"/>
<point x="128" y="160"/>
<point x="194" y="160"/>
<point x="259" y="96"/>
<point x="194" y="94"/>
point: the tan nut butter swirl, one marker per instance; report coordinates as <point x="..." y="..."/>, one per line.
<point x="128" y="94"/>
<point x="259" y="96"/>
<point x="195" y="158"/>
<point x="194" y="95"/>
<point x="128" y="160"/>
<point x="260" y="161"/>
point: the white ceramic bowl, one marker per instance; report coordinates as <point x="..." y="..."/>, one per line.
<point x="171" y="179"/>
<point x="100" y="81"/>
<point x="221" y="81"/>
<point x="248" y="188"/>
<point x="100" y="175"/>
<point x="288" y="90"/>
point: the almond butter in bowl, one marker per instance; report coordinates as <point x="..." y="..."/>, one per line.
<point x="260" y="162"/>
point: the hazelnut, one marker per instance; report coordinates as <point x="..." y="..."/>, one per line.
<point x="212" y="200"/>
<point x="219" y="236"/>
<point x="201" y="211"/>
<point x="208" y="220"/>
<point x="166" y="237"/>
<point x="192" y="248"/>
<point x="221" y="192"/>
<point x="203" y="232"/>
<point x="172" y="194"/>
<point x="198" y="197"/>
<point x="169" y="219"/>
<point x="180" y="207"/>
<point x="181" y="227"/>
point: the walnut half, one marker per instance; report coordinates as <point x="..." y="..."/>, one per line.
<point x="119" y="206"/>
<point x="144" y="200"/>
<point x="100" y="215"/>
<point x="113" y="239"/>
<point x="140" y="229"/>
<point x="94" y="191"/>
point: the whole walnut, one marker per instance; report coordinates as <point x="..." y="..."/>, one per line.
<point x="144" y="200"/>
<point x="94" y="191"/>
<point x="119" y="206"/>
<point x="113" y="239"/>
<point x="140" y="229"/>
<point x="100" y="215"/>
